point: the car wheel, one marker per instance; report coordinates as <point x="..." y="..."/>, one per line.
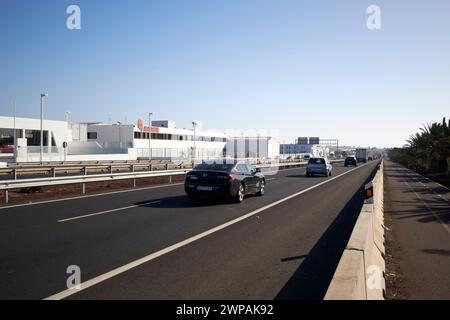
<point x="239" y="197"/>
<point x="262" y="186"/>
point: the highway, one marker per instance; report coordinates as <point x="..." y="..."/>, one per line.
<point x="284" y="245"/>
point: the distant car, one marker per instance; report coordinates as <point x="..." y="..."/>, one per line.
<point x="350" y="161"/>
<point x="225" y="177"/>
<point x="319" y="166"/>
<point x="6" y="149"/>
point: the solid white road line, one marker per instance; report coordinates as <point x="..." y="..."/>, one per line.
<point x="103" y="277"/>
<point x="108" y="211"/>
<point x="424" y="185"/>
<point x="441" y="222"/>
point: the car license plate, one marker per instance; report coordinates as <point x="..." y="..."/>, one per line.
<point x="204" y="188"/>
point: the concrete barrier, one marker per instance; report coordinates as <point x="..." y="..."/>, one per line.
<point x="360" y="272"/>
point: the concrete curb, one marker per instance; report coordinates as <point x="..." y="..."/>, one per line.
<point x="360" y="272"/>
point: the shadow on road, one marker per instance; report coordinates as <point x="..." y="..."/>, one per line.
<point x="304" y="176"/>
<point x="311" y="280"/>
<point x="440" y="252"/>
<point x="294" y="258"/>
<point x="184" y="202"/>
<point x="423" y="214"/>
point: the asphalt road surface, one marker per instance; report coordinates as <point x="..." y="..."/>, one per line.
<point x="418" y="214"/>
<point x="284" y="245"/>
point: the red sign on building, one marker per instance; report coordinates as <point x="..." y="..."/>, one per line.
<point x="151" y="129"/>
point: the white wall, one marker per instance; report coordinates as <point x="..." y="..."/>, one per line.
<point x="274" y="148"/>
<point x="261" y="147"/>
<point x="59" y="128"/>
<point x="121" y="136"/>
<point x="78" y="132"/>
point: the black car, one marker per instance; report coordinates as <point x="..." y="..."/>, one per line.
<point x="224" y="177"/>
<point x="350" y="161"/>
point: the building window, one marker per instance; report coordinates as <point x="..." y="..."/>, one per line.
<point x="34" y="137"/>
<point x="7" y="136"/>
<point x="92" y="135"/>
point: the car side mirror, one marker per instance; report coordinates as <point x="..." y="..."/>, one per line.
<point x="257" y="170"/>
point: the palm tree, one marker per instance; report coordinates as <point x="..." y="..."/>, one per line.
<point x="428" y="149"/>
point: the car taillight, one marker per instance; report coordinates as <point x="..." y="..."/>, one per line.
<point x="228" y="177"/>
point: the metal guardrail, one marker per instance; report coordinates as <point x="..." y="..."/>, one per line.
<point x="53" y="170"/>
<point x="7" y="185"/>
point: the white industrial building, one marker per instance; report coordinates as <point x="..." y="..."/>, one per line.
<point x="100" y="141"/>
<point x="54" y="132"/>
<point x="165" y="142"/>
<point x="304" y="147"/>
<point x="27" y="133"/>
<point x="264" y="148"/>
<point x="104" y="141"/>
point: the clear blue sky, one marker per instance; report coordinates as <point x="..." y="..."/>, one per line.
<point x="307" y="68"/>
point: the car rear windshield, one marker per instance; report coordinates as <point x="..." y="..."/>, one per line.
<point x="316" y="161"/>
<point x="215" y="166"/>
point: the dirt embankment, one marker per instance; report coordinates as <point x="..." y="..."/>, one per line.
<point x="63" y="191"/>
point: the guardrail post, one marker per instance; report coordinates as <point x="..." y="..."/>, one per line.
<point x="83" y="188"/>
<point x="167" y="166"/>
<point x="5" y="196"/>
<point x="110" y="169"/>
<point x="150" y="167"/>
<point x="53" y="172"/>
<point x="170" y="179"/>
<point x="85" y="171"/>
<point x="132" y="168"/>
<point x="134" y="183"/>
<point x="15" y="174"/>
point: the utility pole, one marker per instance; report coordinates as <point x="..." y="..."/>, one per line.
<point x="67" y="117"/>
<point x="194" y="124"/>
<point x="150" y="137"/>
<point x="14" y="135"/>
<point x="42" y="120"/>
<point x="120" y="134"/>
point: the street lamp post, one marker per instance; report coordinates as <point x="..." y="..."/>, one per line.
<point x="15" y="137"/>
<point x="42" y="120"/>
<point x="150" y="137"/>
<point x="67" y="117"/>
<point x="120" y="134"/>
<point x="194" y="124"/>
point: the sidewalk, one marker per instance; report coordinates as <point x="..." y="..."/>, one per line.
<point x="417" y="214"/>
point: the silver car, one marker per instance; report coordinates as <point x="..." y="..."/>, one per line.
<point x="319" y="166"/>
